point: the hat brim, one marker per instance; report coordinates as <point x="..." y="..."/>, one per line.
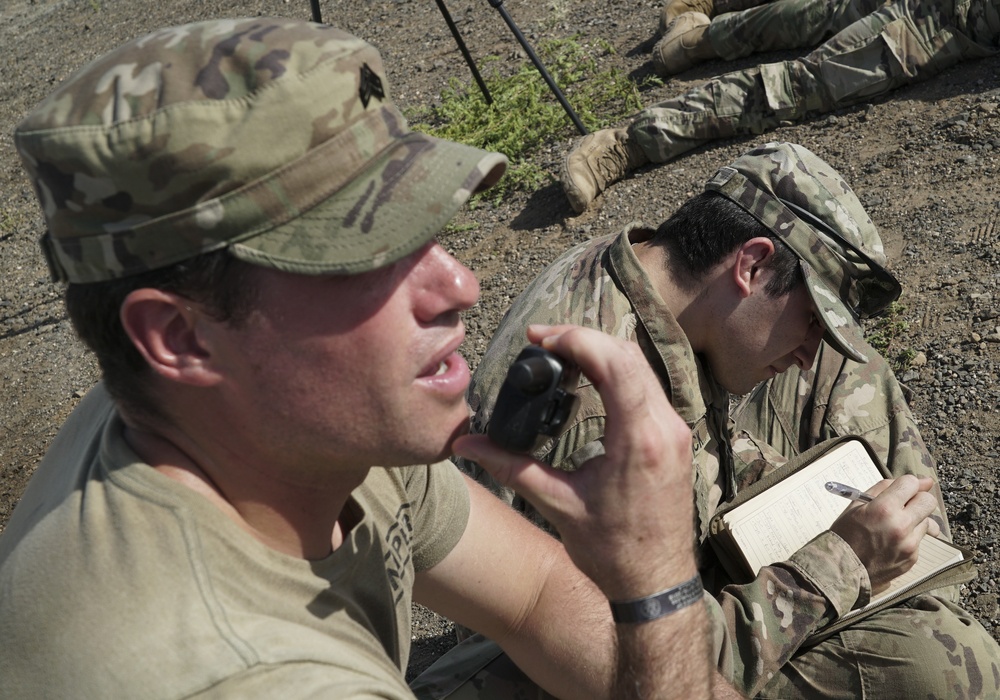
<point x="843" y="329"/>
<point x="400" y="201"/>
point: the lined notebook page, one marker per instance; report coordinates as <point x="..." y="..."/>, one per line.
<point x="773" y="525"/>
<point x="777" y="522"/>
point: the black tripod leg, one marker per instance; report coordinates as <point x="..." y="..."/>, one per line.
<point x="464" y="50"/>
<point x="315" y="8"/>
<point x="498" y="4"/>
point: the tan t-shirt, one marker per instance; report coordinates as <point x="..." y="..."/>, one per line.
<point x="116" y="581"/>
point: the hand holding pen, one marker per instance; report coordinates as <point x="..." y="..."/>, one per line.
<point x="853" y="494"/>
<point x="886" y="527"/>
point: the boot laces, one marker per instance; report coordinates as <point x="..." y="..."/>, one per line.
<point x="613" y="163"/>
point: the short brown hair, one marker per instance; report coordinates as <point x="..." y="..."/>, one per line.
<point x="217" y="281"/>
<point x="708" y="227"/>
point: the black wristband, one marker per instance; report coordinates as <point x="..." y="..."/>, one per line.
<point x="659" y="604"/>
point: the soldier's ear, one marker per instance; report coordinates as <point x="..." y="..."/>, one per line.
<point x="749" y="262"/>
<point x="164" y="327"/>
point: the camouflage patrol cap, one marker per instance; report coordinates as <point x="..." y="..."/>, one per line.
<point x="809" y="206"/>
<point x="274" y="138"/>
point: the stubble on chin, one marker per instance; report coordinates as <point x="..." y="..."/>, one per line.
<point x="461" y="429"/>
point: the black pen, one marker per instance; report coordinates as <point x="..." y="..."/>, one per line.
<point x="849" y="492"/>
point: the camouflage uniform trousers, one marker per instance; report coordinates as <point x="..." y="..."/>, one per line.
<point x="784" y="24"/>
<point x="903" y="42"/>
<point x="928" y="647"/>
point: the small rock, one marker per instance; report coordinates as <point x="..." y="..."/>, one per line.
<point x="987" y="603"/>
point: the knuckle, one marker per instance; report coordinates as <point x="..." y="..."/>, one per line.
<point x="898" y="532"/>
<point x="909" y="551"/>
<point x="927" y="502"/>
<point x="880" y="510"/>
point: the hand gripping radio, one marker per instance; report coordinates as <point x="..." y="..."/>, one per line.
<point x="535" y="402"/>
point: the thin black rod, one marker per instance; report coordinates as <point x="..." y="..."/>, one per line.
<point x="465" y="51"/>
<point x="498" y="4"/>
<point x="315" y="8"/>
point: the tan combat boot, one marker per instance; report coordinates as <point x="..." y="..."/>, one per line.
<point x="684" y="44"/>
<point x="675" y="8"/>
<point x="598" y="160"/>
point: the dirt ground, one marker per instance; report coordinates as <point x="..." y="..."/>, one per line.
<point x="924" y="162"/>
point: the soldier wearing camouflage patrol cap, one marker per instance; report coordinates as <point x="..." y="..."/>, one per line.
<point x="746" y="303"/>
<point x="247" y="229"/>
<point x="808" y="207"/>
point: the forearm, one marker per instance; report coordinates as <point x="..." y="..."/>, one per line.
<point x="566" y="641"/>
<point x="666" y="655"/>
<point x="556" y="624"/>
<point x="549" y="618"/>
<point x="769" y="618"/>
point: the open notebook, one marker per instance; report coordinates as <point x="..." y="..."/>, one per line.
<point x="771" y="525"/>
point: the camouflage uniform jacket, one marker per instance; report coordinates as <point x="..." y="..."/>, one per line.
<point x="601" y="284"/>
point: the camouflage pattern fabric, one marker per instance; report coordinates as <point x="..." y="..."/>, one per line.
<point x="903" y="42"/>
<point x="601" y="284"/>
<point x="783" y="24"/>
<point x="923" y="648"/>
<point x="809" y="206"/>
<point x="274" y="138"/>
<point x="836" y="396"/>
<point x="767" y="623"/>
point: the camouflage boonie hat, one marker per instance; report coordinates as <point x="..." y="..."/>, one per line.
<point x="274" y="138"/>
<point x="809" y="206"/>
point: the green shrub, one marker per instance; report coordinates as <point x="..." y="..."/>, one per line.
<point x="887" y="334"/>
<point x="525" y="115"/>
